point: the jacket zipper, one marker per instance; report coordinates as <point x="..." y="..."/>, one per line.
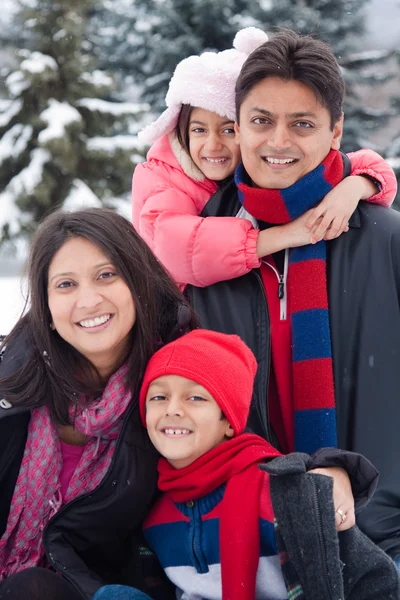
<point x="263" y="406"/>
<point x="53" y="562"/>
<point x="329" y="592"/>
<point x="196" y="560"/>
<point x="282" y="283"/>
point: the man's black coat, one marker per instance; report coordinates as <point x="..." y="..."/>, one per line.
<point x="363" y="267"/>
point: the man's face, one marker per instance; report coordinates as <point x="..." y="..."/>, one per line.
<point x="284" y="132"/>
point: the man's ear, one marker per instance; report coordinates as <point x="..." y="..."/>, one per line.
<point x="337" y="133"/>
<point x="229" y="433"/>
<point x="237" y="133"/>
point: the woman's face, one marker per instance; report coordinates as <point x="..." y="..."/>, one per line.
<point x="212" y="144"/>
<point x="90" y="304"/>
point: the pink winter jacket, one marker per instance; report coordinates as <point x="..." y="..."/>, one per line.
<point x="169" y="192"/>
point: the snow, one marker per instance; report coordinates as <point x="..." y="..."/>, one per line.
<point x="123" y="206"/>
<point x="9" y="213"/>
<point x="8" y="110"/>
<point x="17" y="83"/>
<point x="112" y="108"/>
<point x="57" y="116"/>
<point x="394" y="163"/>
<point x="60" y="34"/>
<point x="80" y="196"/>
<point x="23" y="183"/>
<point x="111" y="144"/>
<point x="14" y="141"/>
<point x="12" y="302"/>
<point x="30" y="177"/>
<point x="38" y="63"/>
<point x="97" y="78"/>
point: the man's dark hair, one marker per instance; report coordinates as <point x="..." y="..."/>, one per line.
<point x="293" y="57"/>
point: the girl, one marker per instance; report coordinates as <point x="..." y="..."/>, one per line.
<point x="194" y="152"/>
<point x="77" y="472"/>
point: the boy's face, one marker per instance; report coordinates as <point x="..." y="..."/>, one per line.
<point x="183" y="420"/>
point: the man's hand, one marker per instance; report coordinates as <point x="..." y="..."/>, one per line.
<point x="342" y="497"/>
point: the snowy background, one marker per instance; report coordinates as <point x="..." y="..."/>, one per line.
<point x="11" y="302"/>
<point x="106" y="125"/>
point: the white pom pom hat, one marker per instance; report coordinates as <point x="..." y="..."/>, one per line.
<point x="206" y="81"/>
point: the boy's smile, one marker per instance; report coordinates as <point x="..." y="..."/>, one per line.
<point x="183" y="420"/>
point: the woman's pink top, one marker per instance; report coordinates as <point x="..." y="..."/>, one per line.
<point x="70" y="458"/>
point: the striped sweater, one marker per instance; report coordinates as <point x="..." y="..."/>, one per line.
<point x="185" y="538"/>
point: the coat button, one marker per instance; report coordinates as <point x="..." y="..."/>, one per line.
<point x="190" y="504"/>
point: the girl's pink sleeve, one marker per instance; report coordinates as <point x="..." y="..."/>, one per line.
<point x="368" y="162"/>
<point x="195" y="250"/>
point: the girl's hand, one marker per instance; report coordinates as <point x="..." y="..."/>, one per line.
<point x="296" y="233"/>
<point x="330" y="218"/>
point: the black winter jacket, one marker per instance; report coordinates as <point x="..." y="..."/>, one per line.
<point x="363" y="268"/>
<point x="328" y="565"/>
<point x="91" y="539"/>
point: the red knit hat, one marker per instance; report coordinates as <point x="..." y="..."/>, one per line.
<point x="221" y="363"/>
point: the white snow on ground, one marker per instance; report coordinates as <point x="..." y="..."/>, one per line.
<point x="57" y="116"/>
<point x="11" y="302"/>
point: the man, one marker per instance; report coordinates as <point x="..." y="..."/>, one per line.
<point x="323" y="321"/>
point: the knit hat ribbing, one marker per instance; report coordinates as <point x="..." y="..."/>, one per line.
<point x="206" y="81"/>
<point x="221" y="363"/>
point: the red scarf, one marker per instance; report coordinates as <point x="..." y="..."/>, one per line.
<point x="312" y="368"/>
<point x="37" y="495"/>
<point x="235" y="462"/>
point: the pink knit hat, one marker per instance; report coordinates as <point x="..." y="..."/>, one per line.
<point x="221" y="363"/>
<point x="206" y="81"/>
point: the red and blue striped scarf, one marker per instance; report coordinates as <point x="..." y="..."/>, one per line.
<point x="313" y="384"/>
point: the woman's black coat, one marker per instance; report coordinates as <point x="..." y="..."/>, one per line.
<point x="91" y="538"/>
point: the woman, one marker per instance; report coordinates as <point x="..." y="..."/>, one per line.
<point x="77" y="472"/>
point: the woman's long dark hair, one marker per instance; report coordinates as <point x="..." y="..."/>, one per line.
<point x="54" y="372"/>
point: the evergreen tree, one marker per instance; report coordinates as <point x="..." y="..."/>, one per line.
<point x="156" y="34"/>
<point x="145" y="39"/>
<point x="64" y="140"/>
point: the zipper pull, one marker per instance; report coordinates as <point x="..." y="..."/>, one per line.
<point x="281" y="287"/>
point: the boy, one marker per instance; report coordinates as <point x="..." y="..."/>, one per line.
<point x="213" y="528"/>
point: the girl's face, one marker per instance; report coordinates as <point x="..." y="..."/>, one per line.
<point x="90" y="304"/>
<point x="212" y="144"/>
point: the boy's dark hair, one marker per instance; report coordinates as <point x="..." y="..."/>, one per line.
<point x="293" y="57"/>
<point x="182" y="129"/>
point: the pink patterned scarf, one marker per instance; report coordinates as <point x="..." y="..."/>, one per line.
<point x="37" y="495"/>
